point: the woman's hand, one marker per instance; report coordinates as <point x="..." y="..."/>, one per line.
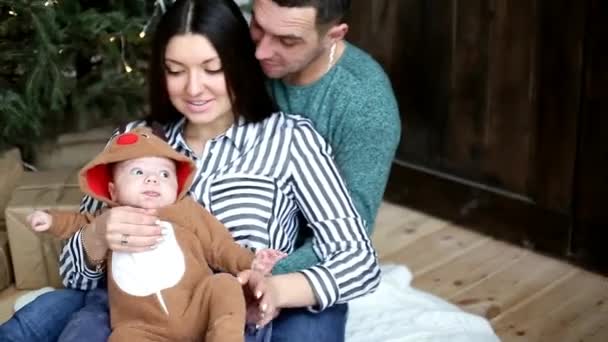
<point x="268" y="295"/>
<point x="262" y="297"/>
<point x="127" y="229"/>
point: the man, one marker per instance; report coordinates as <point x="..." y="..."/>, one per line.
<point x="314" y="72"/>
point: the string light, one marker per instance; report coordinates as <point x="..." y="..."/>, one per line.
<point x="128" y="68"/>
<point x="142" y="34"/>
<point x="112" y="39"/>
<point x="50" y="3"/>
<point x="162" y="5"/>
<point x="159" y="5"/>
<point x="13" y="13"/>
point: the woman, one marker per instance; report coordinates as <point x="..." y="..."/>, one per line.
<point x="262" y="173"/>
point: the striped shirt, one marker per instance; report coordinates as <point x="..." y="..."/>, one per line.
<point x="265" y="181"/>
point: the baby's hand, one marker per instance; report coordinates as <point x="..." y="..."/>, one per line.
<point x="40" y="221"/>
<point x="265" y="259"/>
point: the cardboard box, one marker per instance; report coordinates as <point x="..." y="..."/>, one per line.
<point x="6" y="269"/>
<point x="35" y="256"/>
<point x="11" y="170"/>
<point x="72" y="150"/>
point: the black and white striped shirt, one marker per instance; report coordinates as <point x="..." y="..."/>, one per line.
<point x="261" y="180"/>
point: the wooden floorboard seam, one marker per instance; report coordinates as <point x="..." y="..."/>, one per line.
<point x="536" y="295"/>
<point x="490" y="275"/>
<point x="451" y="257"/>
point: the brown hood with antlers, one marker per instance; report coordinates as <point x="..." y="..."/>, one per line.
<point x="140" y="142"/>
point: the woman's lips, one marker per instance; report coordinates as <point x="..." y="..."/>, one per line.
<point x="198" y="106"/>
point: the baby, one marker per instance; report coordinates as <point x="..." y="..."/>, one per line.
<point x="170" y="292"/>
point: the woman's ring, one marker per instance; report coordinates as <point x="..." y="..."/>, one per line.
<point x="124" y="240"/>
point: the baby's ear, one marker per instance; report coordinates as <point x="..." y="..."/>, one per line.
<point x="112" y="191"/>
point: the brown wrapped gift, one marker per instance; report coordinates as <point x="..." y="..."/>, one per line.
<point x="10" y="172"/>
<point x="35" y="256"/>
<point x="6" y="270"/>
<point x="72" y="149"/>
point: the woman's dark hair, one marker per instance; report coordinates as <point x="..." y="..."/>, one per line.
<point x="223" y="24"/>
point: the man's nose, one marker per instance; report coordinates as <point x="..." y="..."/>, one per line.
<point x="263" y="48"/>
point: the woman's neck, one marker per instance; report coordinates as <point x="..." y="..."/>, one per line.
<point x="207" y="131"/>
<point x="197" y="135"/>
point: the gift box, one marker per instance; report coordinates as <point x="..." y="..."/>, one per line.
<point x="6" y="270"/>
<point x="35" y="256"/>
<point x="72" y="150"/>
<point x="11" y="170"/>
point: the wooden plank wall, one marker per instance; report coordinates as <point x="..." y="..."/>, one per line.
<point x="492" y="95"/>
<point x="477" y="83"/>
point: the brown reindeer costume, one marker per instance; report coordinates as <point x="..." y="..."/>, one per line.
<point x="199" y="304"/>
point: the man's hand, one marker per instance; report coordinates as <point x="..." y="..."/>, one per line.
<point x="40" y="221"/>
<point x="261" y="296"/>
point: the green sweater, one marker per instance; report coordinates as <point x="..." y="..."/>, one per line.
<point x="354" y="108"/>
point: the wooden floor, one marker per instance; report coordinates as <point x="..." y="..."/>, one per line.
<point x="526" y="296"/>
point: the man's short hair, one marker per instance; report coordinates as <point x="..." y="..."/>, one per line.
<point x="328" y="11"/>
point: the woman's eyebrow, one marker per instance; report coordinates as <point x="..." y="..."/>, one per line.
<point x="208" y="60"/>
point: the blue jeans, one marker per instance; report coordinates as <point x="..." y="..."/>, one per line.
<point x="58" y="316"/>
<point x="95" y="313"/>
<point x="71" y="315"/>
<point x="259" y="335"/>
<point x="300" y="325"/>
<point x="44" y="318"/>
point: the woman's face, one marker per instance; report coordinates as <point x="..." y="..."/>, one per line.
<point x="195" y="80"/>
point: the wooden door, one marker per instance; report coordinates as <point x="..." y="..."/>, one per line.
<point x="590" y="231"/>
<point x="490" y="95"/>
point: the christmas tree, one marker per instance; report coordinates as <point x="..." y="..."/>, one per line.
<point x="69" y="64"/>
<point x="73" y="64"/>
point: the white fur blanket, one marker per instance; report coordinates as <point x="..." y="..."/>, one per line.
<point x="398" y="312"/>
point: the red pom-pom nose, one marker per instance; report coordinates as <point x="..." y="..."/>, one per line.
<point x="127" y="139"/>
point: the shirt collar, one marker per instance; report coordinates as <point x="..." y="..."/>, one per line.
<point x="237" y="134"/>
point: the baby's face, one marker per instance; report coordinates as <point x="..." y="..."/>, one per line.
<point x="148" y="182"/>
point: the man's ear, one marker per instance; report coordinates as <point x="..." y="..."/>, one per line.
<point x="336" y="33"/>
<point x="112" y="191"/>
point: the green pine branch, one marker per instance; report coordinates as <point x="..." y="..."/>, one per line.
<point x="59" y="70"/>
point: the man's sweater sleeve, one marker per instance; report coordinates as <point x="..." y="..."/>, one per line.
<point x="364" y="149"/>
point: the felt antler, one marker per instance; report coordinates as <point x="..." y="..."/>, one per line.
<point x="158" y="129"/>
